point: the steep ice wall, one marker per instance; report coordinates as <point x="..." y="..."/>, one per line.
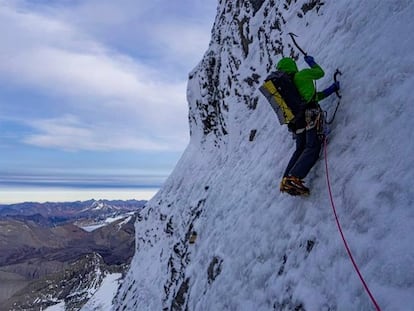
<point x="257" y="249"/>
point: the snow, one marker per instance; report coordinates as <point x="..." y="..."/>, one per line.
<point x="104" y="223"/>
<point x="93" y="227"/>
<point x="99" y="206"/>
<point x="57" y="307"/>
<point x="124" y="222"/>
<point x="277" y="252"/>
<point x="102" y="298"/>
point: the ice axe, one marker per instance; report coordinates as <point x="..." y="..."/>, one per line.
<point x="292" y="35"/>
<point x="337" y="72"/>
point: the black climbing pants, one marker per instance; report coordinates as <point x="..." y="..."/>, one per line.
<point x="308" y="147"/>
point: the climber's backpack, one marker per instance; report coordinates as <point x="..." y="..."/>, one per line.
<point x="283" y="96"/>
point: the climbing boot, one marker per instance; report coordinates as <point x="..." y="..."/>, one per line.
<point x="293" y="186"/>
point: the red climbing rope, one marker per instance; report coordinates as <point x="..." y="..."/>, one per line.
<point x="342" y="234"/>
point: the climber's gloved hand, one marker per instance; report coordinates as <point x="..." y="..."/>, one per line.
<point x="310" y="60"/>
<point x="334" y="87"/>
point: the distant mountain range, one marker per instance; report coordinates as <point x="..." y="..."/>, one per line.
<point x="52" y="213"/>
<point x="46" y="255"/>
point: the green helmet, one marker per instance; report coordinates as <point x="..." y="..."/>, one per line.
<point x="287" y="65"/>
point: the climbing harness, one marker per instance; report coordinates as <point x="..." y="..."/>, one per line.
<point x="341" y="232"/>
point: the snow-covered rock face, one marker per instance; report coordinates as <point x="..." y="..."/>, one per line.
<point x="257" y="249"/>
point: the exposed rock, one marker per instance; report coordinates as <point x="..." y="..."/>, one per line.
<point x="214" y="269"/>
<point x="179" y="300"/>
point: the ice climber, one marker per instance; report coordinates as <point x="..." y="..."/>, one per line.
<point x="305" y="129"/>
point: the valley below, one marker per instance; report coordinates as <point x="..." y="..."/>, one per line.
<point x="61" y="252"/>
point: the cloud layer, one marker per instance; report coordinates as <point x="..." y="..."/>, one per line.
<point x="116" y="71"/>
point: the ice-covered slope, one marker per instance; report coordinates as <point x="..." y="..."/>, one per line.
<point x="258" y="249"/>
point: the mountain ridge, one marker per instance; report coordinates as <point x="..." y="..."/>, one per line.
<point x="257" y="249"/>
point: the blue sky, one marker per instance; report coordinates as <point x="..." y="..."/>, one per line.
<point x="94" y="92"/>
